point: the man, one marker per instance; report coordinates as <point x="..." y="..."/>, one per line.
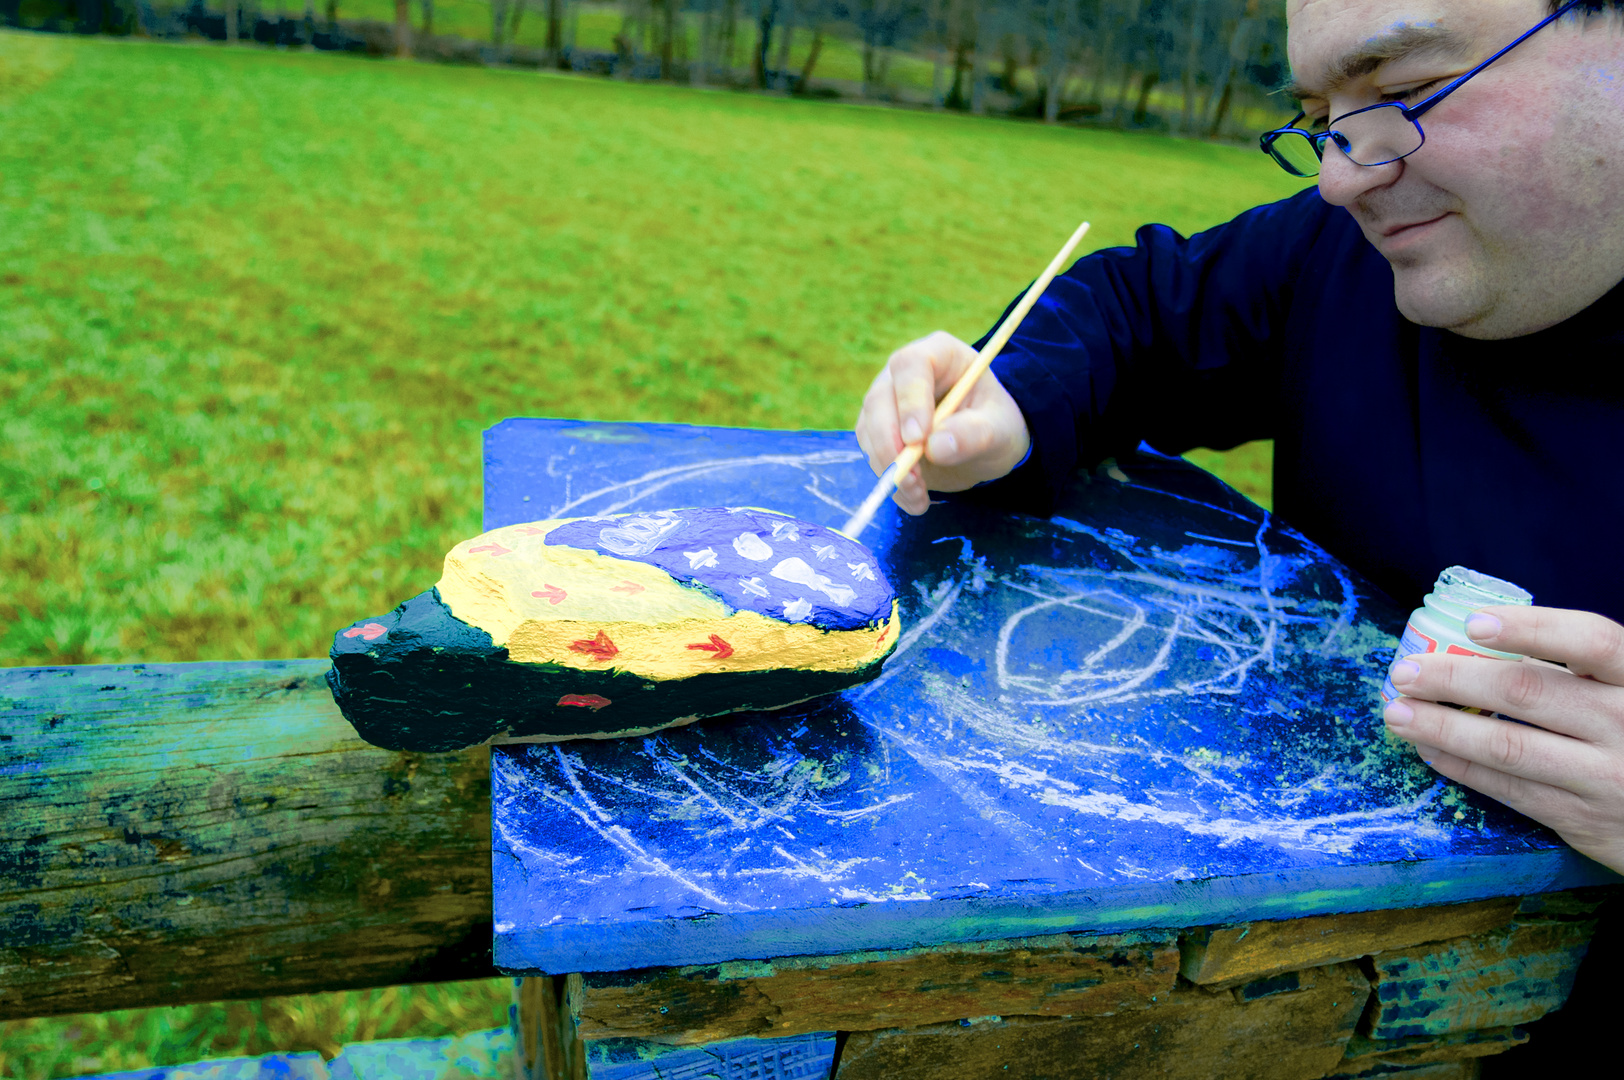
<point x="1432" y="338"/>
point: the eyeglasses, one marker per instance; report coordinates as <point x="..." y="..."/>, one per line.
<point x="1376" y="134"/>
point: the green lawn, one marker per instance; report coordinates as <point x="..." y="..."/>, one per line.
<point x="256" y="308"/>
<point x="139" y="1038"/>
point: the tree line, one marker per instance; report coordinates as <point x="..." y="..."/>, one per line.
<point x="1176" y="64"/>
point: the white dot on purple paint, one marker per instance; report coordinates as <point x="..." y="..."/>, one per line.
<point x="752" y="547"/>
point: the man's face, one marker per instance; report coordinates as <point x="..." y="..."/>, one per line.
<point x="1511" y="217"/>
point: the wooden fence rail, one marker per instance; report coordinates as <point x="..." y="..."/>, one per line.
<point x="175" y="833"/>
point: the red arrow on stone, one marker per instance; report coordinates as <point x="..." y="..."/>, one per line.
<point x="589" y="701"/>
<point x="529" y="530"/>
<point x="599" y="648"/>
<point x="630" y="588"/>
<point x="493" y="548"/>
<point x="550" y="593"/>
<point x="370" y="631"/>
<point x="716" y="645"/>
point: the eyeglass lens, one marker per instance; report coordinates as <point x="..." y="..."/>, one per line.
<point x="1296" y="153"/>
<point x="1376" y="136"/>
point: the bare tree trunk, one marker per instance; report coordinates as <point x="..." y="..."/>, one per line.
<point x="1192" y="62"/>
<point x="1141" y="108"/>
<point x="786" y="39"/>
<point x="938" y="52"/>
<point x="428" y="17"/>
<point x="499" y="14"/>
<point x="403" y="29"/>
<point x="1239" y="46"/>
<point x="631" y="26"/>
<point x="332" y="16"/>
<point x="518" y="17"/>
<point x="697" y="71"/>
<point x="811" y="60"/>
<point x="668" y="36"/>
<point x="555" y="31"/>
<point x="766" y="15"/>
<point x="1054" y="27"/>
<point x="978" y="72"/>
<point x="307" y="32"/>
<point x="728" y="44"/>
<point x="231" y="22"/>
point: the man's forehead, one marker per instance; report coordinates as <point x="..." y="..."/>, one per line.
<point x="1331" y="42"/>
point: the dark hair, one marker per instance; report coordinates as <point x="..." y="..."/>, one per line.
<point x="1591" y="6"/>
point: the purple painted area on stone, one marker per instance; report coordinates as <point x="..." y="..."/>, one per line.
<point x="753" y="560"/>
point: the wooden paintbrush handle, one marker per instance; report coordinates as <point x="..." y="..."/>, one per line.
<point x="913" y="453"/>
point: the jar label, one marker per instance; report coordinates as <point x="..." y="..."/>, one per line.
<point x="1413" y="641"/>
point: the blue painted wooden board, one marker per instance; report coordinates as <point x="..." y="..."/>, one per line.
<point x="307" y="1065"/>
<point x="797" y="1057"/>
<point x="1157" y="708"/>
<point x="479" y="1055"/>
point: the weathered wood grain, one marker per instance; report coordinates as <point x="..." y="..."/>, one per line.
<point x="1053" y="975"/>
<point x="1494" y="979"/>
<point x="191" y="832"/>
<point x="1190" y="1035"/>
<point x="1231" y="955"/>
<point x="1365" y="1053"/>
<point x="1466" y="1069"/>
<point x="549" y="1040"/>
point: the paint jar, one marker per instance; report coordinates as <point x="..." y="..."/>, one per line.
<point x="1439" y="624"/>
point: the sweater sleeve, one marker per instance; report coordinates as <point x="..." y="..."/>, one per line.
<point x="1174" y="341"/>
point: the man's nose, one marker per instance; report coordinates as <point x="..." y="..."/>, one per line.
<point x="1341" y="181"/>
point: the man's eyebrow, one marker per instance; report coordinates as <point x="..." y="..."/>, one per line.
<point x="1404" y="42"/>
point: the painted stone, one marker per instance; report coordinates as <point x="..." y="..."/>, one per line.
<point x="617" y="625"/>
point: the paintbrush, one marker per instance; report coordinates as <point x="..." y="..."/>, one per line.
<point x="914" y="452"/>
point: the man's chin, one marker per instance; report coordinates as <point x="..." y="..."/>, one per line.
<point x="1433" y="296"/>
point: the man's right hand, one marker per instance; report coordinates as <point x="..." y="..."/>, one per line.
<point x="983" y="440"/>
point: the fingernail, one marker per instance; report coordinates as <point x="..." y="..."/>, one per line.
<point x="911" y="431"/>
<point x="942" y="446"/>
<point x="1405" y="671"/>
<point x="1481" y="627"/>
<point x="1397" y="714"/>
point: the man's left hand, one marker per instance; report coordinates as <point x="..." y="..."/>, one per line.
<point x="1567" y="771"/>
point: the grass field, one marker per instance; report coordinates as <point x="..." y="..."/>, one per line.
<point x="256" y="308"/>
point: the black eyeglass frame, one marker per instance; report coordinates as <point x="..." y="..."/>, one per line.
<point x="1317" y="140"/>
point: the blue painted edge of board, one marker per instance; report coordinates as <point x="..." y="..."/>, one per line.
<point x="305" y="1065"/>
<point x="478" y="1055"/>
<point x="793" y="1057"/>
<point x="760" y="935"/>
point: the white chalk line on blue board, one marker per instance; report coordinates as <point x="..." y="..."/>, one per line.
<point x="660" y="479"/>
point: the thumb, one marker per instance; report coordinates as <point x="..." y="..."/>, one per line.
<point x="962" y="437"/>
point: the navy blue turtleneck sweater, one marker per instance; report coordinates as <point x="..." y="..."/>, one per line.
<point x="1400" y="449"/>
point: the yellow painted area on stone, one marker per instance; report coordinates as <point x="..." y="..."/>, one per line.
<point x="550" y="604"/>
